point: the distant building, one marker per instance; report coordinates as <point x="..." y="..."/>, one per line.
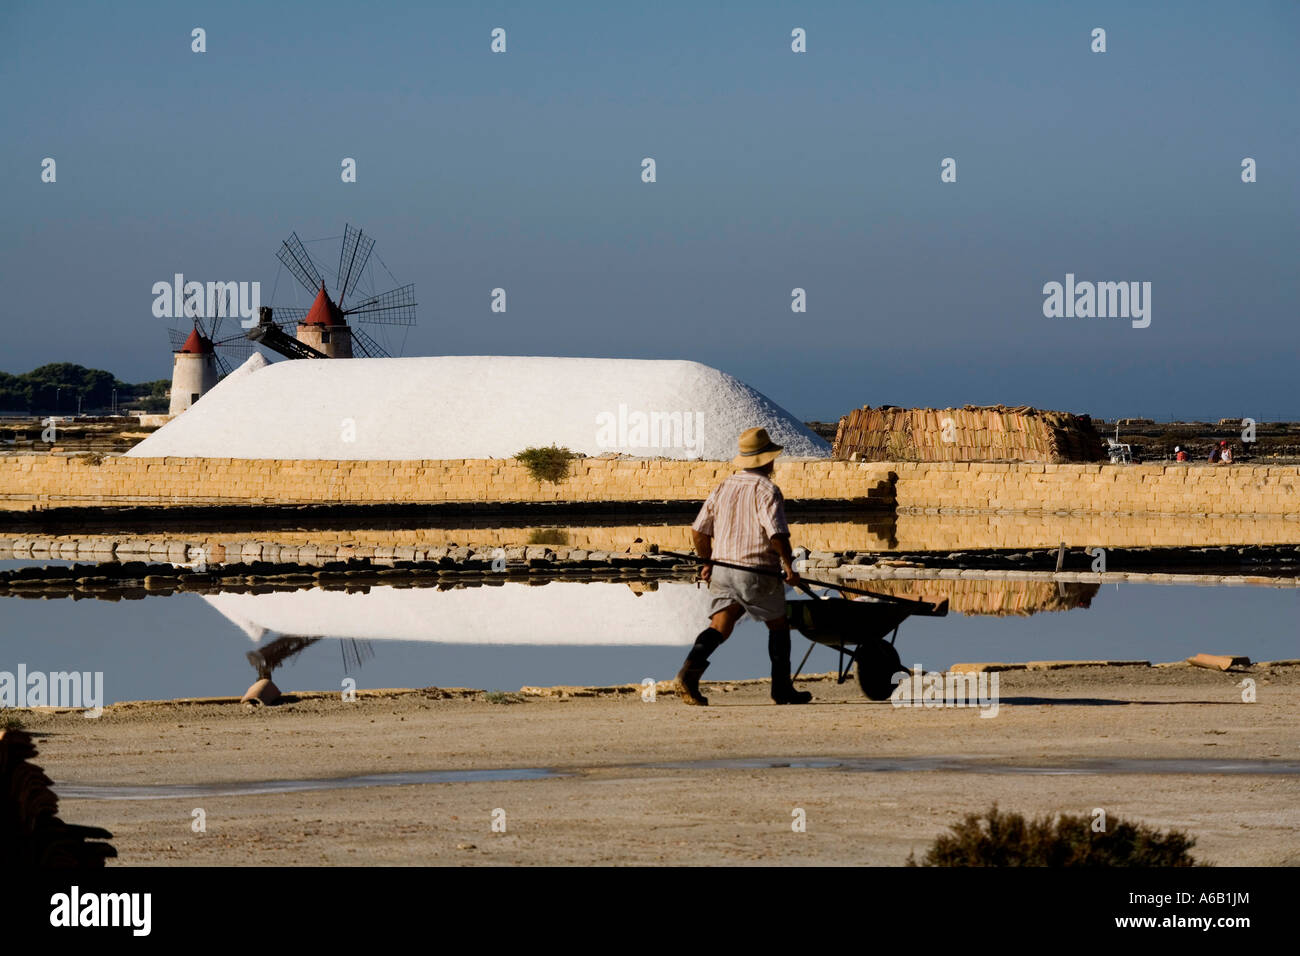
<point x="194" y="372"/>
<point x="325" y="329"/>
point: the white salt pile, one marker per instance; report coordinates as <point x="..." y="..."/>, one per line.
<point x="513" y="613"/>
<point x="475" y="407"/>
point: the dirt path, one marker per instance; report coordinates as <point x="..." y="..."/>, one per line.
<point x="614" y="806"/>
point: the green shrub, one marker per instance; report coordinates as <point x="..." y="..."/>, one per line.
<point x="500" y="697"/>
<point x="1008" y="839"/>
<point x="547" y="464"/>
<point x="11" y="723"/>
<point x="548" y="536"/>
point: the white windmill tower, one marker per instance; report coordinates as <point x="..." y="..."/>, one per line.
<point x="199" y="359"/>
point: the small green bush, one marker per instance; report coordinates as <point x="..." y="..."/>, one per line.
<point x="1008" y="839"/>
<point x="11" y="723"/>
<point x="548" y="536"/>
<point x="547" y="464"/>
<point x="500" y="697"/>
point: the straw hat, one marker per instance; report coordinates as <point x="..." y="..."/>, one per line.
<point x="756" y="449"/>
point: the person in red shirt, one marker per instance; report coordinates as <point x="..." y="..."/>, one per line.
<point x="1179" y="454"/>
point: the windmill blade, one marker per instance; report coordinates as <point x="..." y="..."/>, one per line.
<point x="363" y="343"/>
<point x="237" y="340"/>
<point x="295" y="258"/>
<point x="288" y="319"/>
<point x="221" y="307"/>
<point x="355" y="653"/>
<point x="268" y="658"/>
<point x="396" y="307"/>
<point x="237" y="347"/>
<point x="222" y="364"/>
<point x="353" y="256"/>
<point x="178" y="337"/>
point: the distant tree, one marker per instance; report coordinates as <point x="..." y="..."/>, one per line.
<point x="14" y="392"/>
<point x="58" y="386"/>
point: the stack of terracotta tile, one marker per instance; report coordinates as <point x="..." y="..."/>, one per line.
<point x="970" y="433"/>
<point x="31" y="833"/>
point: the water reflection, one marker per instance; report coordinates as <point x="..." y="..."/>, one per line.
<point x="992" y="597"/>
<point x="501" y="635"/>
<point x="266" y="659"/>
<point x="882" y="532"/>
<point x="597" y="613"/>
<point x="652" y="613"/>
<point x="631" y="612"/>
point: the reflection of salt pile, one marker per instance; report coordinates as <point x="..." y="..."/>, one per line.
<point x="475" y="407"/>
<point x="556" y="613"/>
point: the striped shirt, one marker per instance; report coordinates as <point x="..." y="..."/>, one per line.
<point x="742" y="515"/>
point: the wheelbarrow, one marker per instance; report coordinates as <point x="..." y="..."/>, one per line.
<point x="855" y="628"/>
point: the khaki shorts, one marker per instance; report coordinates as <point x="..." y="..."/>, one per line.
<point x="762" y="596"/>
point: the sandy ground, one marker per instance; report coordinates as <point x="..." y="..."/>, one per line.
<point x="614" y="807"/>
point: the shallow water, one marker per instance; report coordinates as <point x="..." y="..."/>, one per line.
<point x="506" y="637"/>
<point x="250" y="788"/>
<point x="949" y="764"/>
<point x="983" y="765"/>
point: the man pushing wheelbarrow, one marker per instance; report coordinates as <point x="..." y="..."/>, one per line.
<point x="743" y="523"/>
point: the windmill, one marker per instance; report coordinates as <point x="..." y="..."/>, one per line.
<point x="324" y="329"/>
<point x="201" y="356"/>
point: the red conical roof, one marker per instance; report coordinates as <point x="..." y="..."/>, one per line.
<point x="197" y="343"/>
<point x="323" y="311"/>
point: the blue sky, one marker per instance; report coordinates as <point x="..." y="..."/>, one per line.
<point x="775" y="170"/>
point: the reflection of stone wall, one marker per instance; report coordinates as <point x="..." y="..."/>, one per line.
<point x="993" y="597"/>
<point x="175" y="545"/>
<point x="1183" y="490"/>
<point x="918" y="531"/>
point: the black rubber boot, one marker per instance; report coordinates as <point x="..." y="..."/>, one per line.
<point x="778" y="649"/>
<point x="688" y="678"/>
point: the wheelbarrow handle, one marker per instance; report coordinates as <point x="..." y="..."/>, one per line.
<point x="928" y="606"/>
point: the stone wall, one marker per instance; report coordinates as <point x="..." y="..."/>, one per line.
<point x="215" y="480"/>
<point x="1183" y="489"/>
<point x="1189" y="489"/>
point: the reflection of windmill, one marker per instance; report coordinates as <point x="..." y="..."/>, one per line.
<point x="324" y="328"/>
<point x="268" y="658"/>
<point x="202" y="356"/>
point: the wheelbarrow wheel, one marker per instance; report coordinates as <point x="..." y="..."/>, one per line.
<point x="877" y="665"/>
